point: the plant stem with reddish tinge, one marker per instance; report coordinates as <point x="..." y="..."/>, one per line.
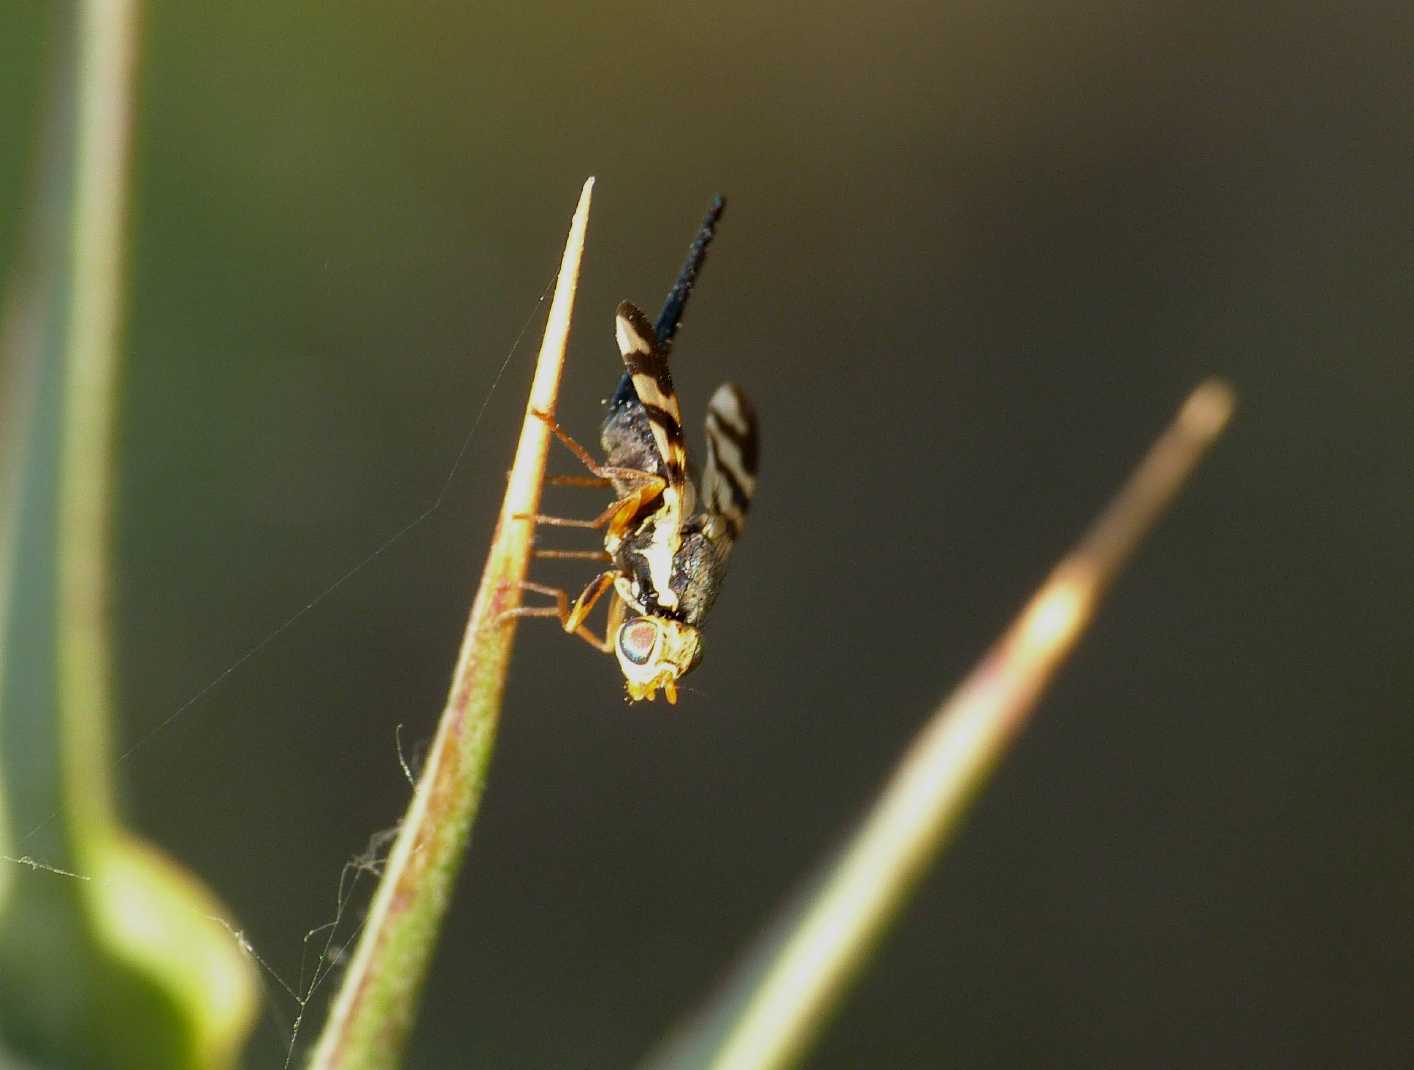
<point x="772" y="1011"/>
<point x="373" y="1012"/>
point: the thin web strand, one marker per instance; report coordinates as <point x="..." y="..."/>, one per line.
<point x="334" y="948"/>
<point x="382" y="548"/>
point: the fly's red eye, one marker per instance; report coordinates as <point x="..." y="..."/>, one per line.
<point x="637" y="639"/>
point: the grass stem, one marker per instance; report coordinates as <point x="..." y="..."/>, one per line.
<point x="374" y="1009"/>
<point x="770" y="1014"/>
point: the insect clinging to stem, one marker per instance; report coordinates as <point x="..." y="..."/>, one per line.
<point x="665" y="547"/>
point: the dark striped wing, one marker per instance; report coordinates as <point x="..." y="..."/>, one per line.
<point x="647" y="366"/>
<point x="729" y="477"/>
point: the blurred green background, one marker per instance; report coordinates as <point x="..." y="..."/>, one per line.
<point x="973" y="258"/>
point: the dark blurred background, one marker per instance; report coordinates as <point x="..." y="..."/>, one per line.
<point x="974" y="257"/>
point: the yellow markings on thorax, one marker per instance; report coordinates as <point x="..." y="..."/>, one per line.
<point x="664" y="546"/>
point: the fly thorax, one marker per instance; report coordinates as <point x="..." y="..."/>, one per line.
<point x="650" y="552"/>
<point x="658" y="557"/>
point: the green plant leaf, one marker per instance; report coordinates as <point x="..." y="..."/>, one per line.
<point x="110" y="955"/>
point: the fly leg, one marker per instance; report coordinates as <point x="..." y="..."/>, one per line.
<point x="642" y="486"/>
<point x="646" y="485"/>
<point x="619" y="513"/>
<point x="572" y="618"/>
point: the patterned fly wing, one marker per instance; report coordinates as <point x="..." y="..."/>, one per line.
<point x="647" y="365"/>
<point x="729" y="477"/>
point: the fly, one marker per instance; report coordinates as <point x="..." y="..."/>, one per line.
<point x="666" y="546"/>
